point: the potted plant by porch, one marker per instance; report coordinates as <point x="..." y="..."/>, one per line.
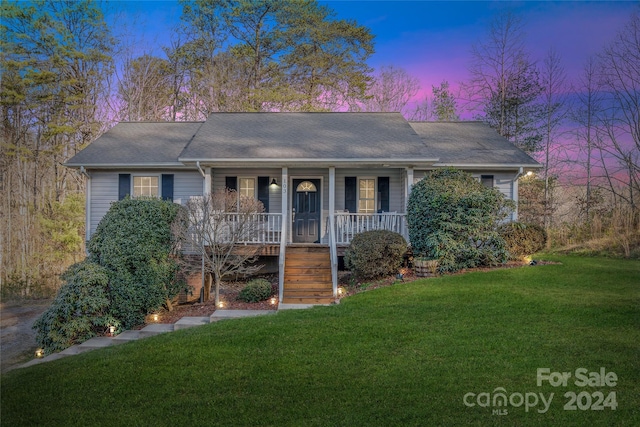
<point x="425" y="267"/>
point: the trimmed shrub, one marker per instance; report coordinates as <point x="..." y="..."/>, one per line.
<point x="135" y="244"/>
<point x="454" y="219"/>
<point x="255" y="291"/>
<point x="523" y="239"/>
<point x="79" y="311"/>
<point x="375" y="254"/>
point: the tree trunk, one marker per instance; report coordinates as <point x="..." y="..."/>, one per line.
<point x="217" y="290"/>
<point x="207" y="287"/>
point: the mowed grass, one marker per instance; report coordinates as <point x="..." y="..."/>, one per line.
<point x="402" y="355"/>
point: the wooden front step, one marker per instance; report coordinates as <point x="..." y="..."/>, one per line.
<point x="307" y="275"/>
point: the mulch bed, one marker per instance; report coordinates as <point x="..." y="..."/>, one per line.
<point x="229" y="292"/>
<point x="228" y="295"/>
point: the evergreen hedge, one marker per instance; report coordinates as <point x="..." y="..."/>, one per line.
<point x="132" y="270"/>
<point x="80" y="310"/>
<point x="134" y="242"/>
<point x="453" y="218"/>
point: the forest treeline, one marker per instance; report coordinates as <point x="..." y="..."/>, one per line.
<point x="66" y="79"/>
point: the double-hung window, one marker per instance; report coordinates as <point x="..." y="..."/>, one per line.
<point x="247" y="187"/>
<point x="146" y="186"/>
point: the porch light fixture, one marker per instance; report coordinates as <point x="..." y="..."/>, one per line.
<point x="274" y="183"/>
<point x="529" y="173"/>
<point x="39" y="353"/>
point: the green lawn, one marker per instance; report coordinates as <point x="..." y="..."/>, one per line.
<point x="402" y="355"/>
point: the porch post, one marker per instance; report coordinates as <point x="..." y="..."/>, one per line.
<point x="332" y="192"/>
<point x="283" y="230"/>
<point x="207" y="181"/>
<point x="407" y="189"/>
<point x="331" y="229"/>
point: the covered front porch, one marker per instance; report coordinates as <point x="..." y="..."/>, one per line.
<point x="316" y="207"/>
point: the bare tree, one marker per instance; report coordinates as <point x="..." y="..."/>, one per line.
<point x="620" y="79"/>
<point x="391" y="90"/>
<point x="214" y="230"/>
<point x="585" y="113"/>
<point x="145" y="89"/>
<point x="504" y="86"/>
<point x="553" y="83"/>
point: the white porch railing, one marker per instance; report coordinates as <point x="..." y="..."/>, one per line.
<point x="261" y="228"/>
<point x="350" y="224"/>
<point x="242" y="228"/>
<point x="265" y="228"/>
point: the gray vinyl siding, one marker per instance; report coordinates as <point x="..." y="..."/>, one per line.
<point x="185" y="185"/>
<point x="104" y="190"/>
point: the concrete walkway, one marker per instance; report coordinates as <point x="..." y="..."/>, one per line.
<point x="148" y="331"/>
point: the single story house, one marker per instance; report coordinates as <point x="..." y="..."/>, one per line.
<point x="322" y="177"/>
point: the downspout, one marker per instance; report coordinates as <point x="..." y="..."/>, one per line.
<point x="202" y="171"/>
<point x="87" y="209"/>
<point x="514" y="193"/>
<point x="203" y="282"/>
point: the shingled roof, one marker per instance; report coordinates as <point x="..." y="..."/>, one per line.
<point x="301" y="138"/>
<point x="305" y="137"/>
<point x="469" y="143"/>
<point x="138" y="144"/>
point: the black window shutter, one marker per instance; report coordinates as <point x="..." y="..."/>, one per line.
<point x="124" y="185"/>
<point x="383" y="193"/>
<point x="263" y="191"/>
<point x="167" y="187"/>
<point x="350" y="193"/>
<point x="231" y="182"/>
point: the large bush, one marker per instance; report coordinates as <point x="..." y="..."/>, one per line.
<point x="374" y="254"/>
<point x="135" y="244"/>
<point x="80" y="310"/>
<point x="523" y="239"/>
<point x="453" y="218"/>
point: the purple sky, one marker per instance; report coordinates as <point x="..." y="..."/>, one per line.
<point x="432" y="39"/>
